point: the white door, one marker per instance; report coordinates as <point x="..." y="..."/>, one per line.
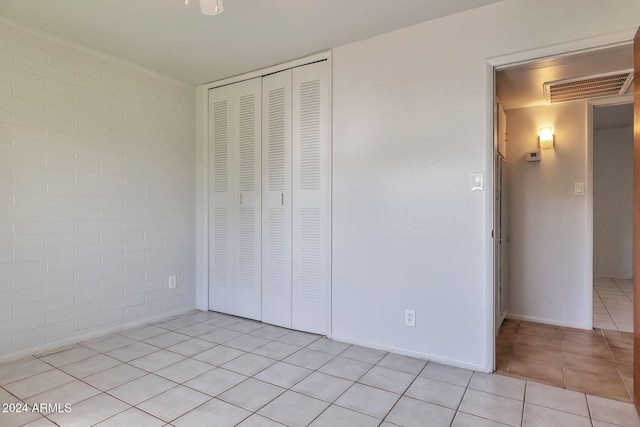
<point x="276" y="199"/>
<point x="234" y="199"/>
<point x="311" y="199"/>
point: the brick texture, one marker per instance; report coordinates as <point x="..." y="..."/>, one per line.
<point x="97" y="191"/>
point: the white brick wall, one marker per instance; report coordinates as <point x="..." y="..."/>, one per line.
<point x="97" y="184"/>
<point x="613" y="203"/>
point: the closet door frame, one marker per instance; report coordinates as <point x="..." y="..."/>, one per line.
<point x="202" y="167"/>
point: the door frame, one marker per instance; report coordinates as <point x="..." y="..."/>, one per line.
<point x="589" y="182"/>
<point x="492" y="65"/>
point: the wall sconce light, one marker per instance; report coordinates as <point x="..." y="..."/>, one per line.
<point x="546" y="138"/>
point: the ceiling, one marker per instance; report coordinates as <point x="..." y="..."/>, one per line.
<point x="177" y="40"/>
<point x="613" y="116"/>
<point x="522" y="86"/>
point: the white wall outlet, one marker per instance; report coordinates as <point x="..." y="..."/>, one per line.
<point x="172" y="282"/>
<point x="410" y="317"/>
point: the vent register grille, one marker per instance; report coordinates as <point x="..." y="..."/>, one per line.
<point x="602" y="85"/>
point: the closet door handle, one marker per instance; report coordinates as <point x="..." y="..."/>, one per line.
<point x="240" y="198"/>
<point x="282" y="199"/>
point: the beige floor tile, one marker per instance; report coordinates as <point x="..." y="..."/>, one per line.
<point x="276" y="350"/>
<point x="132" y="417"/>
<point x="144" y="332"/>
<point x="410" y="365"/>
<point x="90" y="366"/>
<point x="132" y="351"/>
<point x="309" y="359"/>
<point x="438" y="392"/>
<point x="247" y="342"/>
<point x="256" y="420"/>
<point x="557" y="398"/>
<point x="114" y="377"/>
<point x="141" y="389"/>
<point x="184" y="370"/>
<point x="323" y="386"/>
<point x="328" y="346"/>
<point x="349" y="369"/>
<point x="155" y="361"/>
<point x="448" y="374"/>
<point x="190" y="347"/>
<point x="167" y="340"/>
<point x="38" y="383"/>
<point x="293" y="409"/>
<point x="364" y="354"/>
<point x="173" y="403"/>
<point x="491" y="406"/>
<point x="213" y="413"/>
<point x="299" y="339"/>
<point x="338" y="416"/>
<point x="368" y="400"/>
<point x="220" y="336"/>
<point x="109" y="343"/>
<point x="283" y="374"/>
<point x="72" y="393"/>
<point x="219" y="355"/>
<point x="497" y="384"/>
<point x="251" y="394"/>
<point x="410" y="412"/>
<point x="540" y="416"/>
<point x="249" y="364"/>
<point x="90" y="411"/>
<point x="466" y="420"/>
<point x="612" y="411"/>
<point x="68" y="356"/>
<point x="215" y="381"/>
<point x="387" y="379"/>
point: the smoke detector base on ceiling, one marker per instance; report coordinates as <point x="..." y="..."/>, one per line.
<point x="589" y="87"/>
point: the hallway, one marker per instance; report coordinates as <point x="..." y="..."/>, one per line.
<point x="613" y="304"/>
<point x="597" y="362"/>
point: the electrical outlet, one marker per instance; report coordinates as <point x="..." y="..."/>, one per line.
<point x="410" y="317"/>
<point x="172" y="282"/>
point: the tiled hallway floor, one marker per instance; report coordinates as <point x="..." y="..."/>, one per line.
<point x="613" y="304"/>
<point x="210" y="369"/>
<point x="598" y="362"/>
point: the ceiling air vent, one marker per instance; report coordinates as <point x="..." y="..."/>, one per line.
<point x="609" y="84"/>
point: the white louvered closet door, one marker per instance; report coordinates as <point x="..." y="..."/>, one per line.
<point x="235" y="199"/>
<point x="221" y="199"/>
<point x="247" y="184"/>
<point x="311" y="199"/>
<point x="276" y="199"/>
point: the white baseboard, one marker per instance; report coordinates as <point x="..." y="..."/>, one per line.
<point x="52" y="346"/>
<point x="536" y="319"/>
<point x="430" y="357"/>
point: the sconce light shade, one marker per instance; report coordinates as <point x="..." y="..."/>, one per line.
<point x="546" y="138"/>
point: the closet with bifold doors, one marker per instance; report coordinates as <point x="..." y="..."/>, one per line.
<point x="270" y="198"/>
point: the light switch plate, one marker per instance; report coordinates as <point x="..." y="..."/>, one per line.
<point x="578" y="188"/>
<point x="477" y="181"/>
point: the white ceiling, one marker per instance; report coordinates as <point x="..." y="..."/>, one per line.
<point x="522" y="86"/>
<point x="177" y="40"/>
<point x="613" y="116"/>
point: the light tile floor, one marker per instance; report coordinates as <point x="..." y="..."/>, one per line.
<point x="613" y="304"/>
<point x="210" y="369"/>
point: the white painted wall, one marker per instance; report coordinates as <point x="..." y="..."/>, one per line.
<point x="613" y="202"/>
<point x="97" y="192"/>
<point x="412" y="121"/>
<point x="548" y="258"/>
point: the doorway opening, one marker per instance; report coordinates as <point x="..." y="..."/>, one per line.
<point x="544" y="229"/>
<point x="613" y="217"/>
